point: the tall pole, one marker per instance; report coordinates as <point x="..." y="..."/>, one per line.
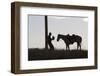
<point x="46" y="32"/>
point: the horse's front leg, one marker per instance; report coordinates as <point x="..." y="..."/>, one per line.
<point x="68" y="48"/>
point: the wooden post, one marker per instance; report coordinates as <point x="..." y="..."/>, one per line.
<point x="46" y="32"/>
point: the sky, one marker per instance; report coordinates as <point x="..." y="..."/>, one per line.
<point x="36" y="31"/>
<point x="57" y="25"/>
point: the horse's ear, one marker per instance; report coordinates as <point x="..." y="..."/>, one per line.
<point x="67" y="35"/>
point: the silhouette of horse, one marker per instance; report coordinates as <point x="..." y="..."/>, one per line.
<point x="75" y="38"/>
<point x="64" y="38"/>
<point x="70" y="40"/>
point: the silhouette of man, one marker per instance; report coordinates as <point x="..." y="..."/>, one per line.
<point x="50" y="41"/>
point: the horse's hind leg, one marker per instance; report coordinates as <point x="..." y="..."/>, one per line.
<point x="66" y="47"/>
<point x="78" y="45"/>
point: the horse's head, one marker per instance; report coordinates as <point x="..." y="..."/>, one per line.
<point x="58" y="37"/>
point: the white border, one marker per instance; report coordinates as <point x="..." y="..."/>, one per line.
<point x="25" y="64"/>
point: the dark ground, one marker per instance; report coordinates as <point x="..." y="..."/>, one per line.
<point x="42" y="54"/>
